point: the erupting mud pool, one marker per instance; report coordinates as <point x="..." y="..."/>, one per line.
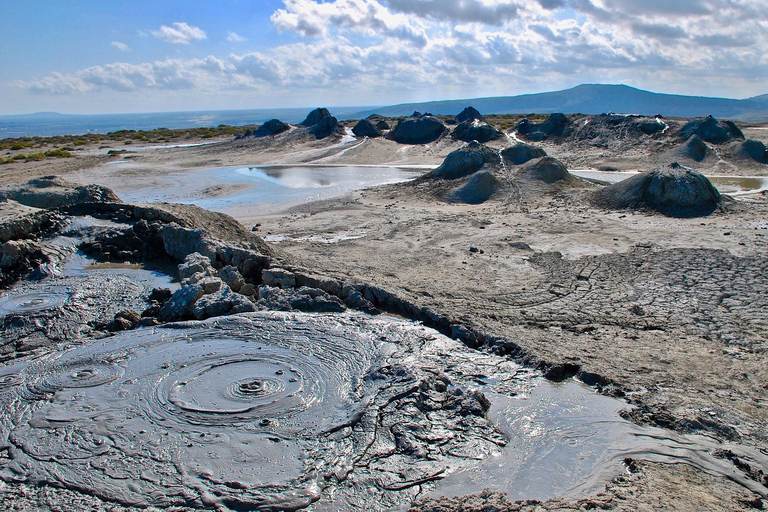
<point x="287" y="410"/>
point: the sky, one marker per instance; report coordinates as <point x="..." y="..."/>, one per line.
<point x="118" y="56"/>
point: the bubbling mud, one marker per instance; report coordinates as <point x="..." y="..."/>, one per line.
<point x="32" y="302"/>
<point x="204" y="414"/>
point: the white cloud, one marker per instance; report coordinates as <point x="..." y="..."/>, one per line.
<point x="179" y="33"/>
<point x="368" y="50"/>
<point x="120" y="46"/>
<point x="234" y="37"/>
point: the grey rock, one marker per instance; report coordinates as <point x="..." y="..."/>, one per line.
<point x="195" y="263"/>
<point x="278" y="277"/>
<point x="179" y="242"/>
<point x="222" y="302"/>
<point x="248" y="290"/>
<point x="383" y="125"/>
<point x="232" y="277"/>
<point x="212" y="285"/>
<point x="310" y="300"/>
<point x="54" y="192"/>
<point x="181" y="303"/>
<point x="755" y="150"/>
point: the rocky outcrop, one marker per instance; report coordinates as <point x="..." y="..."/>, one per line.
<point x="470" y="114"/>
<point x="309" y="300"/>
<point x="480" y="187"/>
<point x="712" y="130"/>
<point x="365" y="128"/>
<point x="465" y="161"/>
<point x="383" y="125"/>
<point x="475" y="129"/>
<point x="54" y="192"/>
<point x="521" y="153"/>
<point x="554" y="126"/>
<point x="674" y="190"/>
<point x="421" y="130"/>
<point x="315" y="117"/>
<point x="270" y="128"/>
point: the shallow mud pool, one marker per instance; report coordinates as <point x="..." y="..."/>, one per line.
<point x="262" y="188"/>
<point x="291" y="410"/>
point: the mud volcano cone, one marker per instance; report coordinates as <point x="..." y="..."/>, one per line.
<point x="675" y="191"/>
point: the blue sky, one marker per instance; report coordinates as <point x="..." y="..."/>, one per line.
<point x="141" y="56"/>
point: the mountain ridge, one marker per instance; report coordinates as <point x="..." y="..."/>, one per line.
<point x="592" y="99"/>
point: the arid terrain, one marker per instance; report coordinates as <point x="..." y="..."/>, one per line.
<point x="510" y="255"/>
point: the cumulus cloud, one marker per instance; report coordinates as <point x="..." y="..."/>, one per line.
<point x="365" y="17"/>
<point x="179" y="33"/>
<point x="478" y="11"/>
<point x="234" y="37"/>
<point x="437" y="48"/>
<point x="120" y="46"/>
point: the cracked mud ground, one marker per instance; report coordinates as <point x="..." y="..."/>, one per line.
<point x="667" y="313"/>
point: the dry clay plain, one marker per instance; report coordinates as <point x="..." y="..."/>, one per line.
<point x="657" y="298"/>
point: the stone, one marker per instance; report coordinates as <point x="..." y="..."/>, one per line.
<point x="554" y="126"/>
<point x="179" y="242"/>
<point x="220" y="303"/>
<point x="248" y="289"/>
<point x="181" y="303"/>
<point x="231" y="277"/>
<point x="211" y="285"/>
<point x="309" y="300"/>
<point x="278" y="277"/>
<point x="195" y="263"/>
<point x="54" y="192"/>
<point x="755" y="150"/>
<point x="383" y="125"/>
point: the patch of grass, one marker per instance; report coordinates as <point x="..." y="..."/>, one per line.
<point x="20" y="156"/>
<point x="62" y="153"/>
<point x="80" y="142"/>
<point x="35" y="157"/>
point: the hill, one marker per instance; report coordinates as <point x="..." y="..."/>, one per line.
<point x="593" y="99"/>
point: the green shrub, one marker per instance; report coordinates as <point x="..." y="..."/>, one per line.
<point x="58" y="153"/>
<point x="36" y="157"/>
<point x="80" y="142"/>
<point x="128" y="142"/>
<point x="20" y="156"/>
<point x="18" y="146"/>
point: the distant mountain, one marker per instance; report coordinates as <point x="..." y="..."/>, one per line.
<point x="592" y="99"/>
<point x="763" y="98"/>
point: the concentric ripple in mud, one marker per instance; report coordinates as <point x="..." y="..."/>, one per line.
<point x="26" y="303"/>
<point x="212" y="413"/>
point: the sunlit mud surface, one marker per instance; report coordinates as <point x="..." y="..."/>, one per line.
<point x="289" y="410"/>
<point x="264" y="410"/>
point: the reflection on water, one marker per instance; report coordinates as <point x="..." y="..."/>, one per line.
<point x="731" y="185"/>
<point x="240" y="188"/>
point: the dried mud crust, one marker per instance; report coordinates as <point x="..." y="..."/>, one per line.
<point x="669" y="313"/>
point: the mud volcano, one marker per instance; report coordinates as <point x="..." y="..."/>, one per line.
<point x="675" y="191"/>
